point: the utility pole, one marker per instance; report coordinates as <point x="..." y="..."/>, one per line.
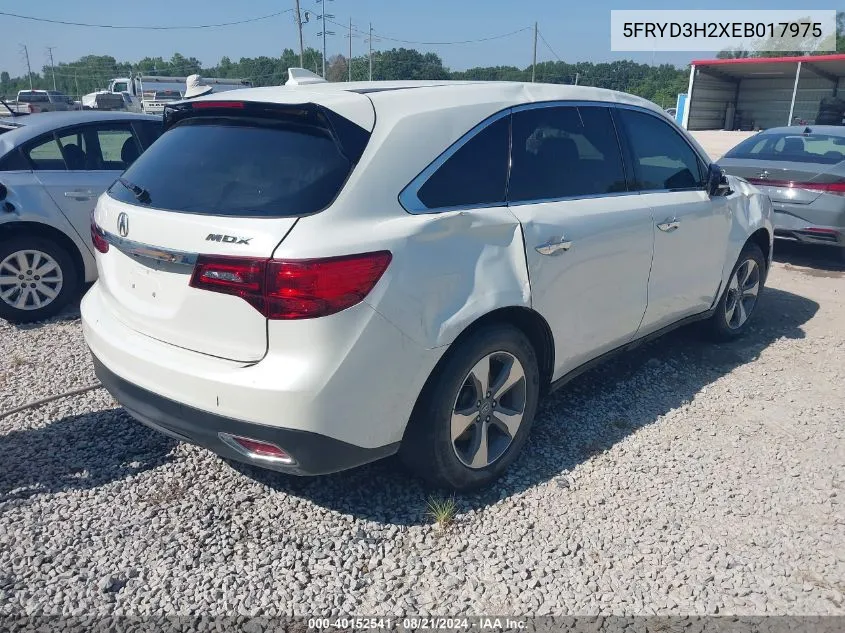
<point x="301" y="44"/>
<point x="534" y="62"/>
<point x="28" y="68"/>
<point x="371" y="51"/>
<point x="52" y="67"/>
<point x="577" y="76"/>
<point x="324" y="32"/>
<point x="349" y="61"/>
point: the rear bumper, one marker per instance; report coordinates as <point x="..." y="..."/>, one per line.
<point x="809" y="224"/>
<point x="314" y="454"/>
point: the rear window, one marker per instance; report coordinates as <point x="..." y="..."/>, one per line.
<point x="33" y="97"/>
<point x="234" y="167"/>
<point x="800" y="148"/>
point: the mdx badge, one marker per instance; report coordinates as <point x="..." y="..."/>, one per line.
<point x="228" y="239"/>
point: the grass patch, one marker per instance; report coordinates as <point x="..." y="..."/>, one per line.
<point x="442" y="510"/>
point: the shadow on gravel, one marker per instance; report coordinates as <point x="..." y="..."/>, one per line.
<point x="78" y="452"/>
<point x="587" y="416"/>
<point x="823" y="261"/>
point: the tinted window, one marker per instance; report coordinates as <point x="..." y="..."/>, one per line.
<point x="45" y="154"/>
<point x="118" y="147"/>
<point x="662" y="158"/>
<point x="564" y="151"/>
<point x="246" y="167"/>
<point x="148" y="131"/>
<point x="475" y="174"/>
<point x="14" y="161"/>
<point x="802" y="148"/>
<point x="34" y="97"/>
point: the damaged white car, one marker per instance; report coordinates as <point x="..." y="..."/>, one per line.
<point x="312" y="277"/>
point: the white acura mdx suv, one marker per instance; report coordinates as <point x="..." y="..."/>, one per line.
<point x="309" y="278"/>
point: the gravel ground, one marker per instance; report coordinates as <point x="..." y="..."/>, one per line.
<point x="683" y="478"/>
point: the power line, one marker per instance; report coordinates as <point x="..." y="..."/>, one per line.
<point x="400" y="41"/>
<point x="144" y="28"/>
<point x="540" y="33"/>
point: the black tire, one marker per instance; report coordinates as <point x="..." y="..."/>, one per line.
<point x="427" y="448"/>
<point x="718" y="326"/>
<point x="68" y="289"/>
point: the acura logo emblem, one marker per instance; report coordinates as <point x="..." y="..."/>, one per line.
<point x="123" y="225"/>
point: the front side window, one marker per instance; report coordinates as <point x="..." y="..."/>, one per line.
<point x="476" y="174"/>
<point x="564" y="151"/>
<point x="662" y="158"/>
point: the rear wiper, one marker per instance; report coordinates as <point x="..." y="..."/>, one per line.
<point x="141" y="194"/>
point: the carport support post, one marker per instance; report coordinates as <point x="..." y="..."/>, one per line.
<point x="688" y="104"/>
<point x="794" y="93"/>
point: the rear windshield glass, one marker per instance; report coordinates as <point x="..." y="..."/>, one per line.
<point x="235" y="167"/>
<point x="799" y="148"/>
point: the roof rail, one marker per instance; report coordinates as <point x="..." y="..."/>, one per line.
<point x="301" y="77"/>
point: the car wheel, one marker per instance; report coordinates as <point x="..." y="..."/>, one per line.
<point x="739" y="300"/>
<point x="475" y="413"/>
<point x="37" y="278"/>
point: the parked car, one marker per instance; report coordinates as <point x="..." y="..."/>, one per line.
<point x="802" y="169"/>
<point x="308" y="278"/>
<point x="52" y="169"/>
<point x="35" y="101"/>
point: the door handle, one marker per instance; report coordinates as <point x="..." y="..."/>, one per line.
<point x="555" y="246"/>
<point x="669" y="225"/>
<point x="79" y="195"/>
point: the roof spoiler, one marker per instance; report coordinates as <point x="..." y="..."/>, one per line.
<point x="301" y="77"/>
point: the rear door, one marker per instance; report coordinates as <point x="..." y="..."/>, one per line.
<point x="588" y="241"/>
<point x="78" y="164"/>
<point x="223" y="181"/>
<point x="690" y="228"/>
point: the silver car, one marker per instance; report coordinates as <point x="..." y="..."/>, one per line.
<point x="53" y="167"/>
<point x="802" y="169"/>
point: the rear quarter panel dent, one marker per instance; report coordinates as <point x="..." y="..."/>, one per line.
<point x="458" y="267"/>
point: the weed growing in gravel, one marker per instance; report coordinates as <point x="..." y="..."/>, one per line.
<point x="442" y="510"/>
<point x="18" y="361"/>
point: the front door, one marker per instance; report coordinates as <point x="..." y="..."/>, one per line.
<point x="690" y="227"/>
<point x="588" y="241"/>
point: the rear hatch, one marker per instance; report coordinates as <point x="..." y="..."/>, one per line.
<point x="225" y="179"/>
<point x="790" y="167"/>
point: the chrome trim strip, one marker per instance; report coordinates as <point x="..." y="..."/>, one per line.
<point x="140" y="250"/>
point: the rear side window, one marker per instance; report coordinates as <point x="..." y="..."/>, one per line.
<point x="476" y="174"/>
<point x="148" y="131"/>
<point x="662" y="158"/>
<point x="825" y="149"/>
<point x="564" y="151"/>
<point x="237" y="167"/>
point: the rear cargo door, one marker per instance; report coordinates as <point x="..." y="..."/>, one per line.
<point x="223" y="180"/>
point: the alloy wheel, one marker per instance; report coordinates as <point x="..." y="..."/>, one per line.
<point x="742" y="294"/>
<point x="489" y="410"/>
<point x="30" y="280"/>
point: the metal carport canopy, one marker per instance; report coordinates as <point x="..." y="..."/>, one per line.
<point x="770" y="90"/>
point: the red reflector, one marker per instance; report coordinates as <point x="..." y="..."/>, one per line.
<point x="813" y="229"/>
<point x="203" y="105"/>
<point x="256" y="448"/>
<point x="836" y="188"/>
<point x="98" y="237"/>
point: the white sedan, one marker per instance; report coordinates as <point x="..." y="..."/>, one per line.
<point x="313" y="277"/>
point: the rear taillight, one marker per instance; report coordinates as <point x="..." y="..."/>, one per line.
<point x="293" y="289"/>
<point x="836" y="188"/>
<point x="98" y="237"/>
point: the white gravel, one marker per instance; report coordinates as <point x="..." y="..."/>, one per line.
<point x="685" y="478"/>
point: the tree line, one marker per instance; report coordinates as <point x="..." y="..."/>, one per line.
<point x="660" y="84"/>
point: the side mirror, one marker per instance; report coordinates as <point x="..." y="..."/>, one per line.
<point x="717" y="182"/>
